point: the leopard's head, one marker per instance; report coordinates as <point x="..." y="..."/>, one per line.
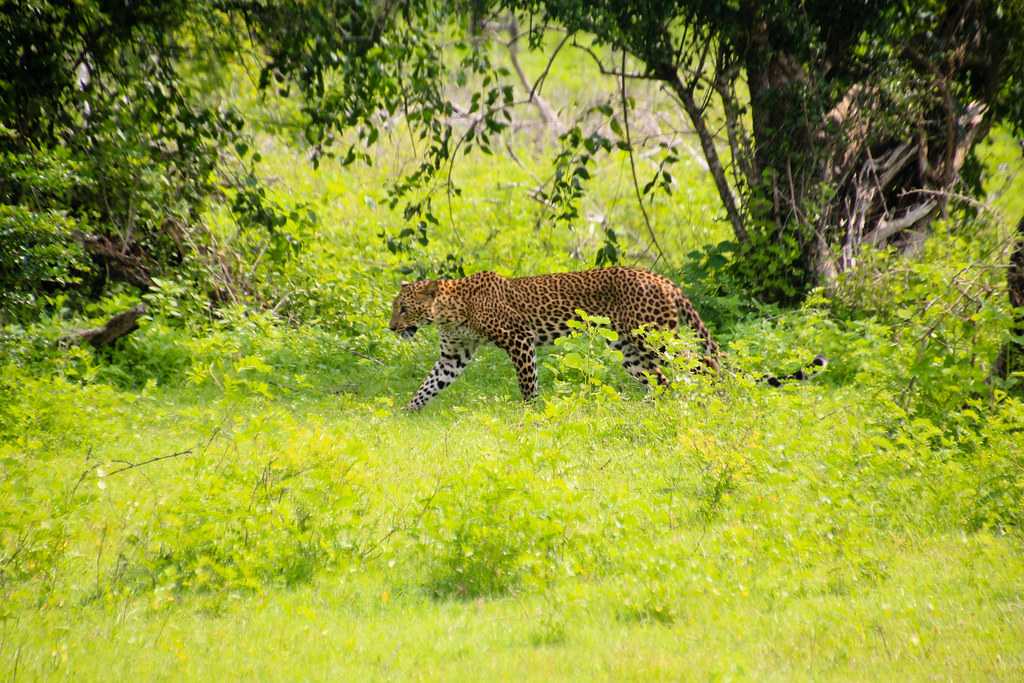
<point x="412" y="307"/>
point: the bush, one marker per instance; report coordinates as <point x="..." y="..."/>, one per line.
<point x="37" y="253"/>
<point x="496" y="527"/>
<point x="998" y="467"/>
<point x="254" y="527"/>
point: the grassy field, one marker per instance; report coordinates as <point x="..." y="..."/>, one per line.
<point x="722" y="532"/>
<point x="236" y="494"/>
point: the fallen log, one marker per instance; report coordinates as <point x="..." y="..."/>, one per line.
<point x="118" y="326"/>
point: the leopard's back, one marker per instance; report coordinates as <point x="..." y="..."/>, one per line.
<point x="628" y="297"/>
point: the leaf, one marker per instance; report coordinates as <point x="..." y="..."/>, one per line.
<point x="573" y="360"/>
<point x="253" y="362"/>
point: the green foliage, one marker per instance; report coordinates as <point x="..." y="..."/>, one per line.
<point x="770" y="267"/>
<point x="254" y="529"/>
<point x="571" y="170"/>
<point x="941" y="314"/>
<point x="504" y="524"/>
<point x="36" y="251"/>
<point x="998" y="496"/>
<point x="585" y="359"/>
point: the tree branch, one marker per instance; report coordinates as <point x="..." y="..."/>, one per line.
<point x="887" y="228"/>
<point x="605" y="71"/>
<point x="632" y="161"/>
<point x="133" y="465"/>
<point x="667" y="73"/>
<point x="739" y="142"/>
<point x="546" y="112"/>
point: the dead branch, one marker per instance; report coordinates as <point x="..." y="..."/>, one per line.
<point x="121" y="324"/>
<point x="132" y="465"/>
<point x="548" y="114"/>
<point x="888" y="228"/>
<point x="121" y="260"/>
<point x="202" y="446"/>
<point x="891" y="165"/>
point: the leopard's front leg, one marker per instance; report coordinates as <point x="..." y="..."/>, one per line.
<point x="455" y="355"/>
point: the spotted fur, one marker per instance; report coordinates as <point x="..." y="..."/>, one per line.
<point x="520" y="314"/>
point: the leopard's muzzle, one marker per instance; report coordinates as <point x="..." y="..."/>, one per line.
<point x="407" y="332"/>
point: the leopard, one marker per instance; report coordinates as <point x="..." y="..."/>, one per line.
<point x="520" y="314"/>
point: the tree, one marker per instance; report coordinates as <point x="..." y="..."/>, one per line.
<point x="842" y="124"/>
<point x="845" y="123"/>
<point x="111" y="143"/>
<point x="113" y="139"/>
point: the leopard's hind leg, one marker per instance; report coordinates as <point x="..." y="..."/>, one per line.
<point x="639" y="360"/>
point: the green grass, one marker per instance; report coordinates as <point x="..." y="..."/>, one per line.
<point x="925" y="622"/>
<point x="720" y="532"/>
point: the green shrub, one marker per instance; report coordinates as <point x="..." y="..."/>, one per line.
<point x="584" y="357"/>
<point x="37" y="253"/>
<point x="496" y="527"/>
<point x="255" y="526"/>
<point x="998" y="469"/>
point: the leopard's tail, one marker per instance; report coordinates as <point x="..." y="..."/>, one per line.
<point x="712" y="352"/>
<point x="803" y="373"/>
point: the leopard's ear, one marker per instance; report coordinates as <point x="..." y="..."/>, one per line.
<point x="405" y="283"/>
<point x="430" y="289"/>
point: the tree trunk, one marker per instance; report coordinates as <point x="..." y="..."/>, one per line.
<point x="1011" y="356"/>
<point x="670" y="76"/>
